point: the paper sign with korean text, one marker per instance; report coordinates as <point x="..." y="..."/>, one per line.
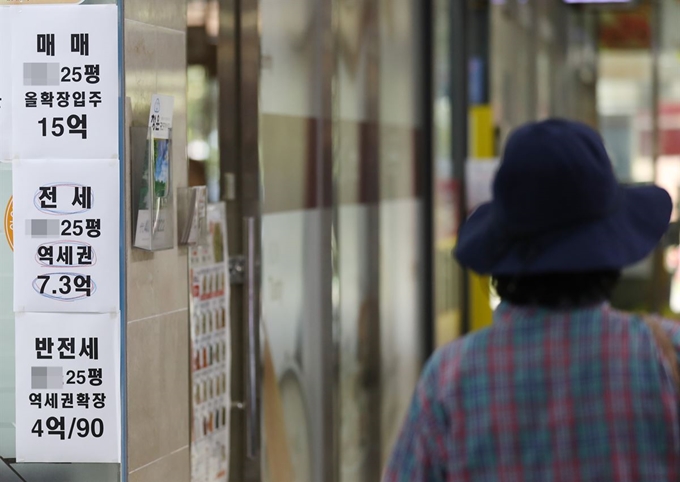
<point x="67" y="387"/>
<point x="66" y="235"/>
<point x="5" y="85"/>
<point x="211" y="352"/>
<point x="64" y="71"/>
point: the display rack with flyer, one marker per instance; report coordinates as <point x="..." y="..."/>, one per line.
<point x="154" y="226"/>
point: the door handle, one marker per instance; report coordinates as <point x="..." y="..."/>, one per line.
<point x="252" y="364"/>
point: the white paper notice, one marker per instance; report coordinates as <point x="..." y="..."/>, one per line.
<point x="5" y="85"/>
<point x="67" y="388"/>
<point x="65" y="82"/>
<point x="66" y="232"/>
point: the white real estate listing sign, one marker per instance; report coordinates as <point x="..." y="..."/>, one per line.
<point x="60" y="133"/>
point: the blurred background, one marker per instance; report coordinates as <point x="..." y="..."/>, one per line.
<point x="358" y="134"/>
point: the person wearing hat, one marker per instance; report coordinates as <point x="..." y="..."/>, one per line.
<point x="561" y="387"/>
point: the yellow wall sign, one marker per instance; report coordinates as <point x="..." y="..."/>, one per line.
<point x="9" y="223"/>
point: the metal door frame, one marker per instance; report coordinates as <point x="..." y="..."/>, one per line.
<point x="238" y="74"/>
<point x="458" y="89"/>
<point x="238" y="71"/>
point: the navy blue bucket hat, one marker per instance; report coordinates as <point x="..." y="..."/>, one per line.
<point x="557" y="207"/>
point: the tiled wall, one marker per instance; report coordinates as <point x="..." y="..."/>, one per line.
<point x="157" y="283"/>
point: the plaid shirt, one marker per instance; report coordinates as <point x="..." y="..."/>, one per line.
<point x="548" y="396"/>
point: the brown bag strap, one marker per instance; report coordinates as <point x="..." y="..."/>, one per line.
<point x="665" y="344"/>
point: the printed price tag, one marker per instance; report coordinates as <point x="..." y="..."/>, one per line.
<point x="66" y="215"/>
